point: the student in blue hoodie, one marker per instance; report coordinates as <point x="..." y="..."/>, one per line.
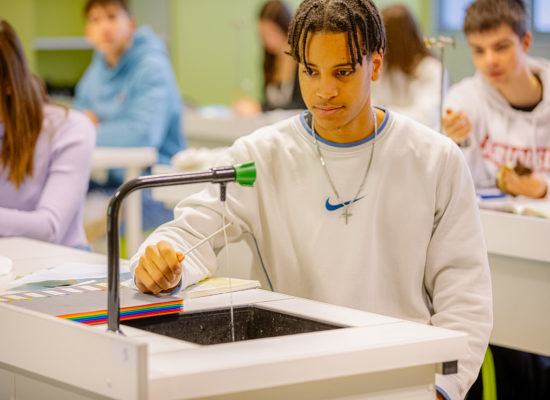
<point x="130" y="93"/>
<point x="129" y="90"/>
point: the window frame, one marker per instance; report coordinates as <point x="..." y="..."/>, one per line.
<point x="441" y="29"/>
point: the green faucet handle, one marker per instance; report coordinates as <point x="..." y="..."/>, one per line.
<point x="245" y="173"/>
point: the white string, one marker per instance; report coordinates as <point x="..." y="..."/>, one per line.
<point x="231" y="311"/>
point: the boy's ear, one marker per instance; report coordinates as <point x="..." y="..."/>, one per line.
<point x="526" y="41"/>
<point x="376" y="64"/>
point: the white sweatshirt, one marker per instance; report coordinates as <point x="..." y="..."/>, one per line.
<point x="417" y="97"/>
<point x="413" y="248"/>
<point x="501" y="134"/>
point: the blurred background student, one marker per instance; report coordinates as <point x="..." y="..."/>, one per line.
<point x="45" y="155"/>
<point x="280" y="71"/>
<point x="129" y="90"/>
<point x="130" y="93"/>
<point x="500" y="116"/>
<point x="411" y="78"/>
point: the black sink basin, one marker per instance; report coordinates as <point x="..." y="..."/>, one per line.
<point x="212" y="327"/>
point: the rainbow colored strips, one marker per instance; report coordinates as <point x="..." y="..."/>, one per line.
<point x="147" y="310"/>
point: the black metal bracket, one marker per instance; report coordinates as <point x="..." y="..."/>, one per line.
<point x="220" y="175"/>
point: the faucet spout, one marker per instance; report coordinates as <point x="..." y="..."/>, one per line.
<point x="244" y="174"/>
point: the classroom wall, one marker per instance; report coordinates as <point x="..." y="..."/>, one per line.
<point x="39" y="19"/>
<point x="20" y="14"/>
<point x="216" y="50"/>
<point x="214" y="45"/>
<point x="217" y="55"/>
<point x="60" y="18"/>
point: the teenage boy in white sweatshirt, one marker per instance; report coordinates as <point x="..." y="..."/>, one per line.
<point x="501" y="116"/>
<point x="353" y="205"/>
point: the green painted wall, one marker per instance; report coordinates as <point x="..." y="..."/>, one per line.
<point x="213" y="44"/>
<point x="216" y="50"/>
<point x="49" y="18"/>
<point x="60" y="18"/>
<point x="20" y="15"/>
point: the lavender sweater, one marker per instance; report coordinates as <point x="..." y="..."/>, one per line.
<point x="48" y="205"/>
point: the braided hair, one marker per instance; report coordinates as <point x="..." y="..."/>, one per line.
<point x="360" y="19"/>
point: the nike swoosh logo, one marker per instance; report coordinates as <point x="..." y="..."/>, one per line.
<point x="333" y="207"/>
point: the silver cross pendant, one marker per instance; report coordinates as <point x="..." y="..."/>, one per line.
<point x="346" y="214"/>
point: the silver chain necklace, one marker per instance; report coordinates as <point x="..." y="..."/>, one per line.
<point x="347" y="205"/>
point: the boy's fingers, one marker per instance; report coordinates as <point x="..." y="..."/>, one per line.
<point x="147" y="281"/>
<point x="156" y="263"/>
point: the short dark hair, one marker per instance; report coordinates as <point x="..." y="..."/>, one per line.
<point x="485" y="15"/>
<point x="92" y="3"/>
<point x="360" y="19"/>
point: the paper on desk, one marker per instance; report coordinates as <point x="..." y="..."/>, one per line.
<point x="217" y="285"/>
<point x="70" y="271"/>
<point x="518" y="205"/>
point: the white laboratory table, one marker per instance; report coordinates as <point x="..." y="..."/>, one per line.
<point x="519" y="259"/>
<point x="374" y="357"/>
<point x="29" y="255"/>
<point x="133" y="160"/>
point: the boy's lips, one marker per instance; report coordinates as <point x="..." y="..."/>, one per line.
<point x="327" y="110"/>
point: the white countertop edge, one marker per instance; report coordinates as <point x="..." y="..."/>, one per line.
<point x="286" y="360"/>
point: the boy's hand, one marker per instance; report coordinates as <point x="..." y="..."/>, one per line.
<point x="516" y="182"/>
<point x="457" y="125"/>
<point x="159" y="268"/>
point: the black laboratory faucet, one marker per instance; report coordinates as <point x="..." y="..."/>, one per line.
<point x="244" y="174"/>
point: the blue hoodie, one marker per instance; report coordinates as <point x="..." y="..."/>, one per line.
<point x="137" y="101"/>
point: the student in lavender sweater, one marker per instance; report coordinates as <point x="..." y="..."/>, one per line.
<point x="45" y="155"/>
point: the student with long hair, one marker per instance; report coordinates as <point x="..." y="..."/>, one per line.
<point x="45" y="155"/>
<point x="411" y="78"/>
<point x="280" y="88"/>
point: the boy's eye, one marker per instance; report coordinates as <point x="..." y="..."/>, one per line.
<point x="309" y="72"/>
<point x="345" y="72"/>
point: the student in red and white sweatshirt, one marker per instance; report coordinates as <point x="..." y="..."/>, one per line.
<point x="500" y="117"/>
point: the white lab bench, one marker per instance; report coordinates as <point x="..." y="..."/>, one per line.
<point x="519" y="258"/>
<point x="373" y="357"/>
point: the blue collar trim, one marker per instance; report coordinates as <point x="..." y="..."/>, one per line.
<point x="351" y="144"/>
